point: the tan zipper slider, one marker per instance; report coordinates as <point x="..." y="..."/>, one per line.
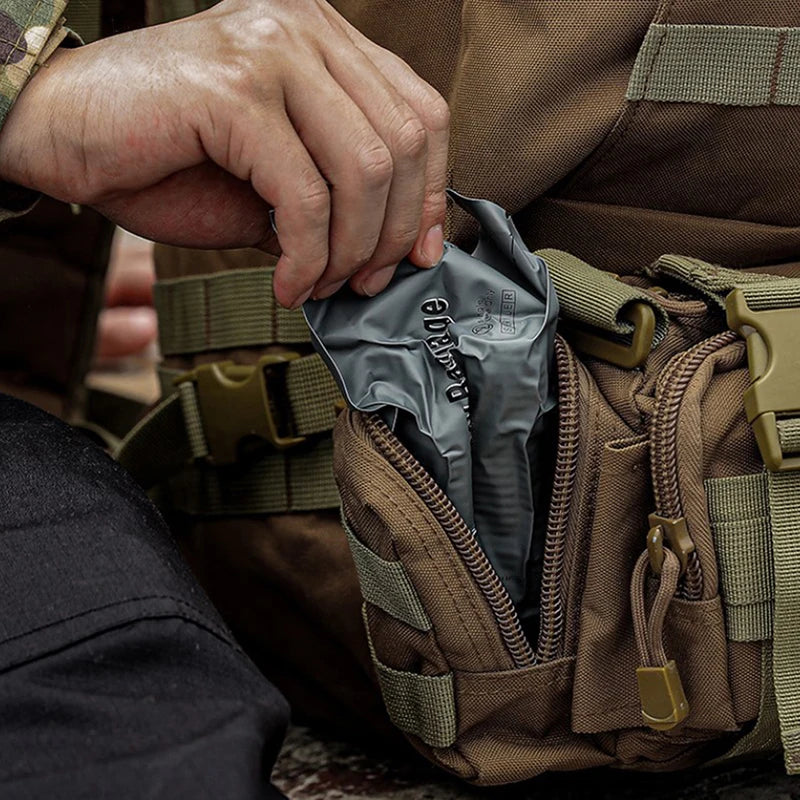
<point x="678" y="539"/>
<point x="664" y="703"/>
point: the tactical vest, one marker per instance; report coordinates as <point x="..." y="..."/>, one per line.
<point x="617" y="133"/>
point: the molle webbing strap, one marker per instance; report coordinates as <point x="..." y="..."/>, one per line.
<point x="596" y="298"/>
<point x="784" y="498"/>
<point x="746" y="511"/>
<point x="762" y="291"/>
<point x="739" y="511"/>
<point x="272" y="483"/>
<point x="386" y="584"/>
<point x="224" y="310"/>
<point x="735" y="65"/>
<point x="764" y="738"/>
<point x="422" y="705"/>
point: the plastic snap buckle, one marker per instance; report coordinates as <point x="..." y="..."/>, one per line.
<point x="238" y="401"/>
<point x="773" y="354"/>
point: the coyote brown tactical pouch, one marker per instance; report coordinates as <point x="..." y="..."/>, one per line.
<point x="668" y="633"/>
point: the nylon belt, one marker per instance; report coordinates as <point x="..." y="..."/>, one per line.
<point x="596" y="298"/>
<point x="784" y="497"/>
<point x="738" y="65"/>
<point x="762" y="291"/>
<point x="169" y="447"/>
<point x="224" y="310"/>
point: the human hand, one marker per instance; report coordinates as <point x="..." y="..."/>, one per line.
<point x="127" y="325"/>
<point x="187" y="133"/>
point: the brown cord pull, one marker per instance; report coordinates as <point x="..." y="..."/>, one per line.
<point x="663" y="700"/>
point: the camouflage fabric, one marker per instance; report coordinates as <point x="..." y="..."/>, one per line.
<point x="30" y="30"/>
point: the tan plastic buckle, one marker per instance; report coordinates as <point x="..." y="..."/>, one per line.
<point x="235" y="403"/>
<point x="678" y="539"/>
<point x="773" y="354"/>
<point x="627" y="356"/>
<point x="664" y="703"/>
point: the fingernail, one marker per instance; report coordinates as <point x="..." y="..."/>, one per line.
<point x="378" y="281"/>
<point x="328" y="290"/>
<point x="301" y="299"/>
<point x="433" y="245"/>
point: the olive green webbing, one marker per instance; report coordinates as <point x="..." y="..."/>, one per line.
<point x="596" y="298"/>
<point x="386" y="584"/>
<point x="422" y="705"/>
<point x="789" y="435"/>
<point x="738" y="65"/>
<point x="784" y="499"/>
<point x="764" y="738"/>
<point x="84" y="17"/>
<point x="170" y="439"/>
<point x="271" y="483"/>
<point x="224" y="310"/>
<point x="739" y="512"/>
<point x="762" y="291"/>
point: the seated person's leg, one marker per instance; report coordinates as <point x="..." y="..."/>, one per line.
<point x="117" y="677"/>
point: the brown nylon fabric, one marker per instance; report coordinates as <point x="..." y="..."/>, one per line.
<point x="591" y="696"/>
<point x="52" y="290"/>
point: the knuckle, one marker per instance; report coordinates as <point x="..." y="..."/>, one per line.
<point x="397" y="243"/>
<point x="436" y="112"/>
<point x="313" y="201"/>
<point x="375" y="166"/>
<point x="411" y="140"/>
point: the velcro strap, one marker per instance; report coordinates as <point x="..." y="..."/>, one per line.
<point x="738" y="65"/>
<point x="224" y="310"/>
<point x="386" y="584"/>
<point x="422" y="705"/>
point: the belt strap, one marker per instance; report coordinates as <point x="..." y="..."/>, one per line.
<point x="224" y="310"/>
<point x="213" y="409"/>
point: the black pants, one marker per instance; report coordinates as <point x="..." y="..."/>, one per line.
<point x="117" y="677"/>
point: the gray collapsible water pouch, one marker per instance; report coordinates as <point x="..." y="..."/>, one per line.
<point x="457" y="360"/>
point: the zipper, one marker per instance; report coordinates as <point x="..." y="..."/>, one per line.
<point x="551" y="615"/>
<point x="551" y="625"/>
<point x="664" y="445"/>
<point x="462" y="538"/>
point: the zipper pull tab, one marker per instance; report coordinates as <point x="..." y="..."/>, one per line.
<point x="664" y="703"/>
<point x="663" y="699"/>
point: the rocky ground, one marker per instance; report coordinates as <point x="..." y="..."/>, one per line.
<point x="316" y="767"/>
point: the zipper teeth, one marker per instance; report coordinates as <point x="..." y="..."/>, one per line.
<point x="664" y="437"/>
<point x="462" y="538"/>
<point x="551" y="626"/>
